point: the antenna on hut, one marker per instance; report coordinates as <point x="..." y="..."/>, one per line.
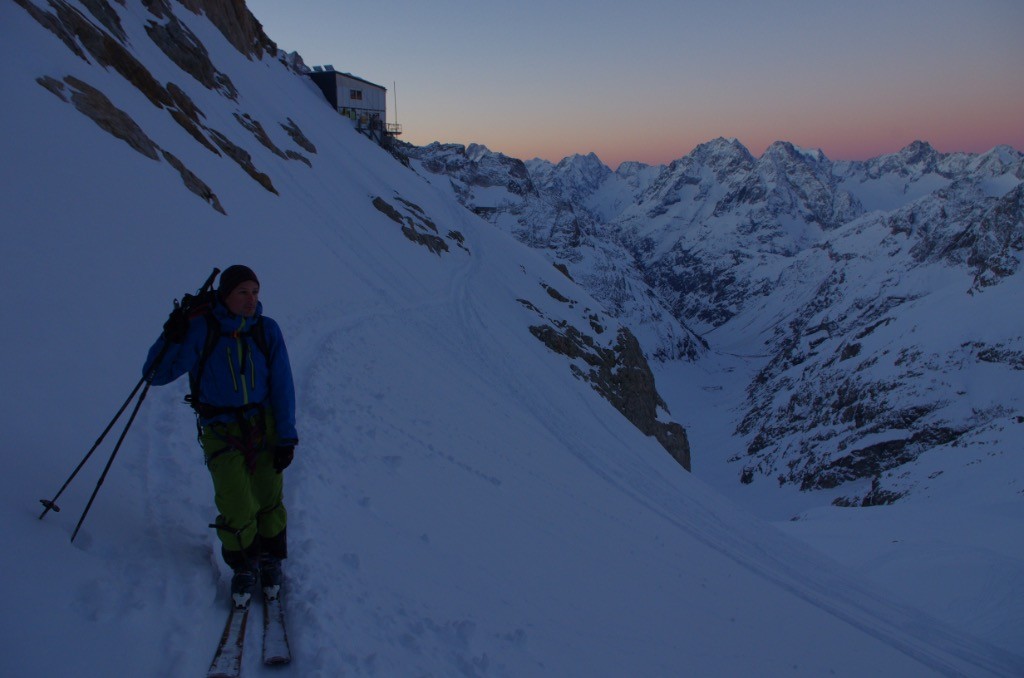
<point x="394" y="89"/>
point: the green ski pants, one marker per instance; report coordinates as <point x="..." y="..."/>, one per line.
<point x="250" y="500"/>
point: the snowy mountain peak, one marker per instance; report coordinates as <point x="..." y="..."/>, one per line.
<point x="918" y="153"/>
<point x="784" y="149"/>
<point x="722" y="152"/>
<point x="477" y="152"/>
<point x="1000" y="161"/>
<point x="579" y="175"/>
<point x="588" y="162"/>
<point x="914" y="160"/>
<point x="631" y="168"/>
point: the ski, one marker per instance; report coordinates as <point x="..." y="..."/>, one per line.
<point x="275" y="636"/>
<point x="227" y="661"/>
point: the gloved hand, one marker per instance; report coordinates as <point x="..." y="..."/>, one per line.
<point x="283" y="455"/>
<point x="176" y="326"/>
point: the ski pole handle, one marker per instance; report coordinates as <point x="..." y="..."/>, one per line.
<point x="209" y="281"/>
<point x="189" y="301"/>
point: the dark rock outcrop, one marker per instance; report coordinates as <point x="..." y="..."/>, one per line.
<point x="186" y="50"/>
<point x="194" y="183"/>
<point x="97" y="107"/>
<point x="244" y="160"/>
<point x="417" y="226"/>
<point x="234" y="20"/>
<point x="76" y="32"/>
<point x="298" y="137"/>
<point x="623" y="377"/>
<point x="254" y="126"/>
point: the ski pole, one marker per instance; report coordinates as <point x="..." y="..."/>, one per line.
<point x="52" y="503"/>
<point x="110" y="462"/>
<point x="147" y="379"/>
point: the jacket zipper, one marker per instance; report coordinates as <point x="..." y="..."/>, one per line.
<point x="231" y="369"/>
<point x="241" y="361"/>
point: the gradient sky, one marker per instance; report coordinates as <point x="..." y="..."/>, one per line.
<point x="648" y="80"/>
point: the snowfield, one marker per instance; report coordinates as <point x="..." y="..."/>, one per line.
<point x="460" y="503"/>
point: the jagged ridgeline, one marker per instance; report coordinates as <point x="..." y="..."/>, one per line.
<point x="825" y="273"/>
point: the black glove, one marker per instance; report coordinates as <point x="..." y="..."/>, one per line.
<point x="283" y="455"/>
<point x="176" y="326"/>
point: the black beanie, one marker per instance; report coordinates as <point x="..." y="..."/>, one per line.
<point x="234" y="276"/>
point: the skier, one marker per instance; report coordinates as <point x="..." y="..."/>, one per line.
<point x="244" y="397"/>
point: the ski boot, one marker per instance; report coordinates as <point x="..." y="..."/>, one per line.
<point x="243" y="583"/>
<point x="270" y="576"/>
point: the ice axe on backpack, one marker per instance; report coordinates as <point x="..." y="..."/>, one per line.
<point x="188" y="302"/>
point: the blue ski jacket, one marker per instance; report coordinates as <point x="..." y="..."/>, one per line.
<point x="237" y="373"/>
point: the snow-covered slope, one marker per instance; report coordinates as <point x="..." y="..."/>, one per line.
<point x="463" y="501"/>
<point x="859" y="334"/>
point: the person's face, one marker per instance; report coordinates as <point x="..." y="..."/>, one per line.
<point x="242" y="300"/>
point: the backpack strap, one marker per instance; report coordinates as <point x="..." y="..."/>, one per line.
<point x="259" y="337"/>
<point x="196" y="378"/>
<point x="213" y="335"/>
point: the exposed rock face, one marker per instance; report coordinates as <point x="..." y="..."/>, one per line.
<point x="715" y="227"/>
<point x="629" y="385"/>
<point x="237" y="23"/>
<point x="623" y="377"/>
<point x="243" y="158"/>
<point x="194" y="183"/>
<point x="74" y="29"/>
<point x="188" y="115"/>
<point x="106" y="15"/>
<point x="297" y="136"/>
<point x="851" y="392"/>
<point x="100" y="110"/>
<point x="106" y="43"/>
<point x="254" y="126"/>
<point x="416" y="225"/>
<point x="960" y="227"/>
<point x="94" y="104"/>
<point x="996" y="243"/>
<point x="476" y="165"/>
<point x="183" y="48"/>
<point x="618" y="370"/>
